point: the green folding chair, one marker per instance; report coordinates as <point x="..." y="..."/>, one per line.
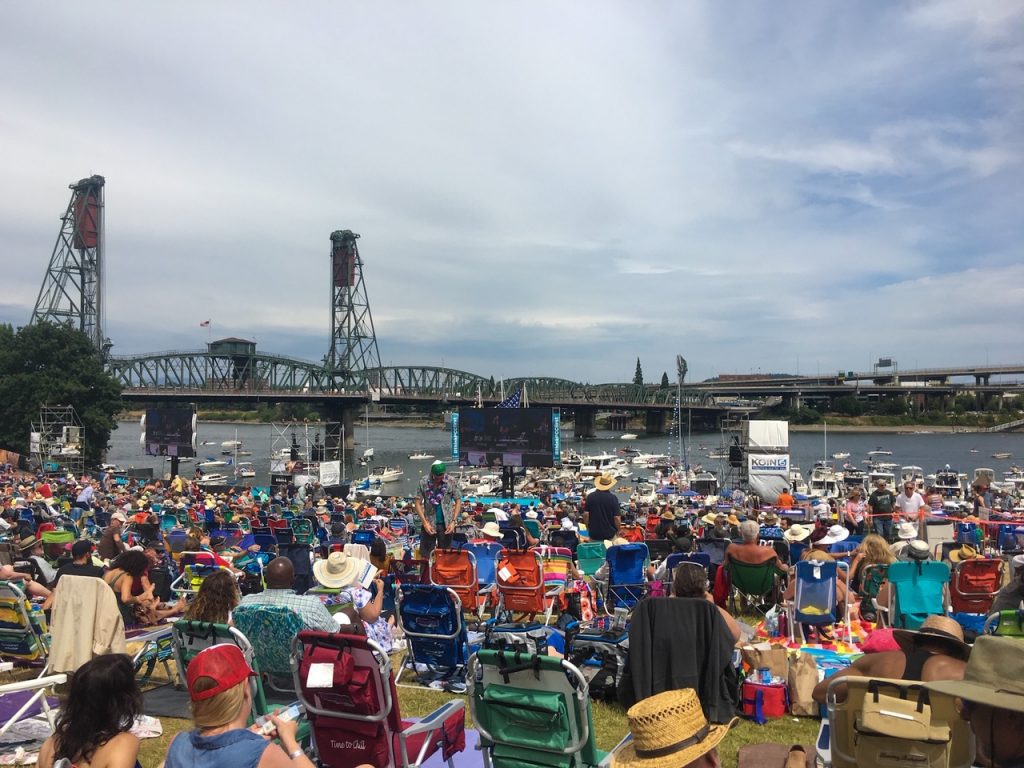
<point x="533" y="527"/>
<point x="590" y="556"/>
<point x="302" y="529"/>
<point x="1005" y="624"/>
<point x="753" y="584"/>
<point x="531" y="710"/>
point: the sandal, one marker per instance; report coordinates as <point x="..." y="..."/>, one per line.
<point x="797" y="757"/>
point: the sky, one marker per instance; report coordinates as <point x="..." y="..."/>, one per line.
<point x="541" y="189"/>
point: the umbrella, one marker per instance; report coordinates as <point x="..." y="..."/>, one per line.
<point x="688" y="493"/>
<point x="800" y="497"/>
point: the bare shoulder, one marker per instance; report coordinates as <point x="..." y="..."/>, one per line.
<point x="940" y="667"/>
<point x="119" y="752"/>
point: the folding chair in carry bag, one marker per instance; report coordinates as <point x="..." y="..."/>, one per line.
<point x="456" y="569"/>
<point x="353" y="707"/>
<point x="531" y="710"/>
<point x="431" y="618"/>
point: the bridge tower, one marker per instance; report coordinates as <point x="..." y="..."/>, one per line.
<point x="72" y="290"/>
<point x="353" y="340"/>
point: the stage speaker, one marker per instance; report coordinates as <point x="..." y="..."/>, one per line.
<point x="735" y="455"/>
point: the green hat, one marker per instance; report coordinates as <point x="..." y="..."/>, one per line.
<point x="438" y="468"/>
<point x="994" y="675"/>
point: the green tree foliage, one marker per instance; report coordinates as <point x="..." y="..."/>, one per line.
<point x="638" y="375"/>
<point x="664" y="380"/>
<point x="893" y="406"/>
<point x="46" y="364"/>
<point x="848" y="405"/>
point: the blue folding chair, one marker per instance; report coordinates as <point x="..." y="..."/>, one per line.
<point x="364" y="537"/>
<point x="486" y="554"/>
<point x="672" y="561"/>
<point x="815" y="600"/>
<point x="627" y="576"/>
<point x="431" y="618"/>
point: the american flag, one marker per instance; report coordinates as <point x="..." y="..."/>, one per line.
<point x="515" y="400"/>
<point x="204" y="324"/>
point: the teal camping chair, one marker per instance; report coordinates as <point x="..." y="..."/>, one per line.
<point x="917" y="590"/>
<point x="590" y="556"/>
<point x="271" y="629"/>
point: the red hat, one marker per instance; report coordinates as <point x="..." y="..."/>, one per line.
<point x="224" y="663"/>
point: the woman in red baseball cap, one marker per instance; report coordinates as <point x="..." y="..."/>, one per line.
<point x="218" y="684"/>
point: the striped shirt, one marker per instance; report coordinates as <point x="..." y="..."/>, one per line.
<point x="313" y="613"/>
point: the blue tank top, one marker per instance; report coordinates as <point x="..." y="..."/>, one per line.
<point x="240" y="748"/>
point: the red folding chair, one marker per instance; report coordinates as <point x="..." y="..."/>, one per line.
<point x="456" y="569"/>
<point x="651" y="529"/>
<point x="634" y="534"/>
<point x="521" y="585"/>
<point x="974" y="584"/>
<point x="345" y="684"/>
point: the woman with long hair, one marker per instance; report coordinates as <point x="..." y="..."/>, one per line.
<point x="218" y="595"/>
<point x="873" y="550"/>
<point x="93" y="725"/>
<point x="129" y="578"/>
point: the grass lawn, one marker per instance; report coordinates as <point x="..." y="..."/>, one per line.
<point x="610" y="726"/>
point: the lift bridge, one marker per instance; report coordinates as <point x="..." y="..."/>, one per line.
<point x="231" y="370"/>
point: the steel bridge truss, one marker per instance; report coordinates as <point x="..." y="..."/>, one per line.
<point x="262" y="374"/>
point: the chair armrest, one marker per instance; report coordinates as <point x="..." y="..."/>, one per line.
<point x="606" y="761"/>
<point x="434" y="720"/>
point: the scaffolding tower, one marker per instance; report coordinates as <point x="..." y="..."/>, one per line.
<point x="299" y="447"/>
<point x="57" y="441"/>
<point x="72" y="289"/>
<point x="353" y="348"/>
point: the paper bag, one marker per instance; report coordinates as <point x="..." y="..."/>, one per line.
<point x="803" y="676"/>
<point x="766" y="655"/>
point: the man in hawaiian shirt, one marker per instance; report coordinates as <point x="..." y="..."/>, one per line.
<point x="438" y="505"/>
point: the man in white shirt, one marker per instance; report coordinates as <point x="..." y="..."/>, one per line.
<point x="910" y="503"/>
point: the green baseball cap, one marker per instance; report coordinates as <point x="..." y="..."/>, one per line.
<point x="438" y="468"/>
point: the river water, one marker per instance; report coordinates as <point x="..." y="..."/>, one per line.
<point x="392" y="446"/>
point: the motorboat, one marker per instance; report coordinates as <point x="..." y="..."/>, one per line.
<point x="246" y="469"/>
<point x="705" y="483"/>
<point x="420" y="456"/>
<point x="984" y="476"/>
<point x="628" y="436"/>
<point x="796" y="481"/>
<point x="213" y="464"/>
<point x="878" y="473"/>
<point x="649" y="459"/>
<point x="386" y="474"/>
<point x="598" y="464"/>
<point x="213" y="479"/>
<point x="879" y="452"/>
<point x="824" y="482"/>
<point x="1002" y="455"/>
<point x="181" y="459"/>
<point x="719" y="453"/>
<point x="230" y="444"/>
<point x="947" y="482"/>
<point x="912" y="474"/>
<point x="841" y="455"/>
<point x="853" y="478"/>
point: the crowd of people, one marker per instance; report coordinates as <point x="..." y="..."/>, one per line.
<point x="120" y="537"/>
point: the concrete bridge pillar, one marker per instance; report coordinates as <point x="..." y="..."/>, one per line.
<point x="585" y="423"/>
<point x="655" y="422"/>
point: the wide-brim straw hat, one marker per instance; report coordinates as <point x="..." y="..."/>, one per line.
<point x="966" y="552"/>
<point x="835" y="534"/>
<point x="796" y="532"/>
<point x="935" y="630"/>
<point x="491" y="530"/>
<point x="733" y="519"/>
<point x="337" y="571"/>
<point x="669" y="730"/>
<point x="668" y="515"/>
<point x="709" y="518"/>
<point x="604" y="482"/>
<point x="994" y="675"/>
<point x="615" y="542"/>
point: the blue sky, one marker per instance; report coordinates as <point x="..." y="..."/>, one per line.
<point x="541" y="189"/>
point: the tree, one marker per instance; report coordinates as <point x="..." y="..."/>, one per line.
<point x="664" y="380"/>
<point x="638" y="376"/>
<point x="47" y="364"/>
<point x="848" y="405"/>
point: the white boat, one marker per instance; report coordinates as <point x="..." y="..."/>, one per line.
<point x="912" y="474"/>
<point x="208" y="442"/>
<point x="947" y="482"/>
<point x="983" y="475"/>
<point x="1002" y="455"/>
<point x="628" y="436"/>
<point x="181" y="459"/>
<point x="420" y="456"/>
<point x="824" y="482"/>
<point x="386" y="474"/>
<point x="213" y="479"/>
<point x="880" y="452"/>
<point x="368" y="453"/>
<point x="796" y="480"/>
<point x="648" y="459"/>
<point x="232" y="444"/>
<point x="213" y="464"/>
<point x="841" y="455"/>
<point x="246" y="469"/>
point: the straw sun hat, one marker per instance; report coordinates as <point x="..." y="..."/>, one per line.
<point x="935" y="630"/>
<point x="669" y="730"/>
<point x="337" y="571"/>
<point x="604" y="482"/>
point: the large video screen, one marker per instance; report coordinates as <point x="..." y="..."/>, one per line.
<point x="169" y="432"/>
<point x="506" y="437"/>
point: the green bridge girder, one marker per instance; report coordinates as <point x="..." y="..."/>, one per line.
<point x="266" y="375"/>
